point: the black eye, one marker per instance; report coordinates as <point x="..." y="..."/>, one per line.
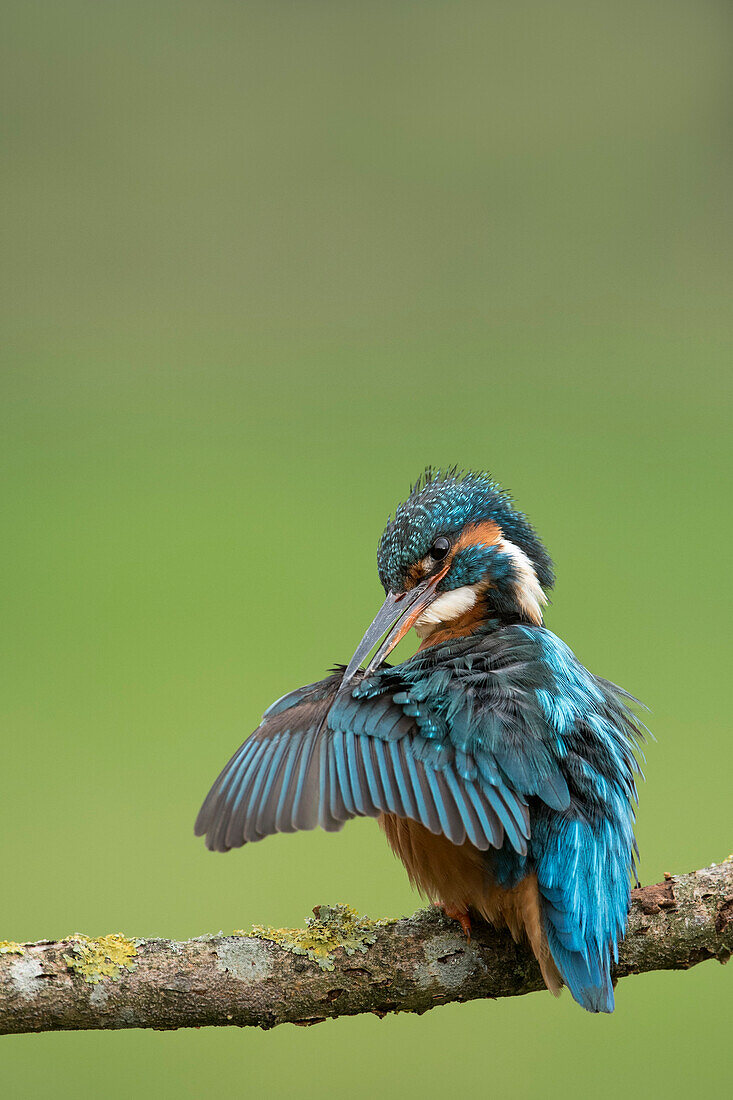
<point x="440" y="548"/>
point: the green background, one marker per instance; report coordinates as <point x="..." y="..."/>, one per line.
<point x="263" y="262"/>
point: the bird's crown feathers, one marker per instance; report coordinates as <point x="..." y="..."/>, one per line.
<point x="444" y="502"/>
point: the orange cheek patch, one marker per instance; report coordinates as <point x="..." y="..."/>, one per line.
<point x="486" y="533"/>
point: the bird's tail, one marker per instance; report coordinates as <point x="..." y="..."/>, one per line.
<point x="585" y="971"/>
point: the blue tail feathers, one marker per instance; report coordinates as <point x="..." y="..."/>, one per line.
<point x="588" y="979"/>
<point x="583" y="878"/>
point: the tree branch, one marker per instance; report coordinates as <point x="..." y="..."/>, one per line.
<point x="340" y="965"/>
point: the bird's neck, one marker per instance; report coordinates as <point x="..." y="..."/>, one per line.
<point x="457" y="614"/>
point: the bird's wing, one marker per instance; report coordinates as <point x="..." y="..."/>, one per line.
<point x="320" y="758"/>
<point x="524" y="707"/>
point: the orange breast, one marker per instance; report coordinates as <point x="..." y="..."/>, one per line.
<point x="458" y="877"/>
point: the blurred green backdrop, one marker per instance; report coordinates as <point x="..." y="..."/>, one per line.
<point x="262" y="262"/>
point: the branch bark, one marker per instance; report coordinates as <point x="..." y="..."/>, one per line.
<point x="356" y="965"/>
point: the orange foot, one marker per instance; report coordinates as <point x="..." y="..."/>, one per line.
<point x="461" y="915"/>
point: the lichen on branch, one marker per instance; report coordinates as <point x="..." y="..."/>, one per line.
<point x="106" y="957"/>
<point x="331" y="928"/>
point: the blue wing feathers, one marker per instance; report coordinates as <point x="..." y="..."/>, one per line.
<point x="238" y="770"/>
<point x="357" y="774"/>
<point x="468" y="815"/>
<point x="325" y="815"/>
<point x="517" y="839"/>
<point x="388" y="779"/>
<point x="277" y="762"/>
<point x="425" y="809"/>
<point x="253" y="794"/>
<point x="339" y="809"/>
<point x="374" y="789"/>
<point x="452" y="822"/>
<point x="262" y="810"/>
<point x="236" y="785"/>
<point x="239" y="786"/>
<point x="342" y="771"/>
<point x="469" y="738"/>
<point x="304" y="814"/>
<point x="553" y="790"/>
<point x="400" y="774"/>
<point x="286" y="789"/>
<point x="488" y="818"/>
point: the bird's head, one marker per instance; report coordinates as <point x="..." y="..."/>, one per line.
<point x="456" y="554"/>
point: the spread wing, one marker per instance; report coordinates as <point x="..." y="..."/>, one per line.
<point x="464" y="737"/>
<point x="320" y="758"/>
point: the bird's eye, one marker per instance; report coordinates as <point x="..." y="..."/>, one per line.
<point x="440" y="548"/>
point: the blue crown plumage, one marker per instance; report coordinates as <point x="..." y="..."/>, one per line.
<point x="443" y="502"/>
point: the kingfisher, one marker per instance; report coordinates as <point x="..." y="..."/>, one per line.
<point x="502" y="771"/>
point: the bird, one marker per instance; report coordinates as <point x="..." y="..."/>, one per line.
<point x="502" y="772"/>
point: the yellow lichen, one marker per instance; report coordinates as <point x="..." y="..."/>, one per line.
<point x="7" y="947"/>
<point x="332" y="927"/>
<point x="106" y="957"/>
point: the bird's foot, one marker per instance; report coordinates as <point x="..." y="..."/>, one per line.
<point x="461" y="915"/>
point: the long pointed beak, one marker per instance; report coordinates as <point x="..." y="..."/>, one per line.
<point x="395" y="617"/>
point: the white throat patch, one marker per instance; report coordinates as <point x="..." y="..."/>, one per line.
<point x="448" y="606"/>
